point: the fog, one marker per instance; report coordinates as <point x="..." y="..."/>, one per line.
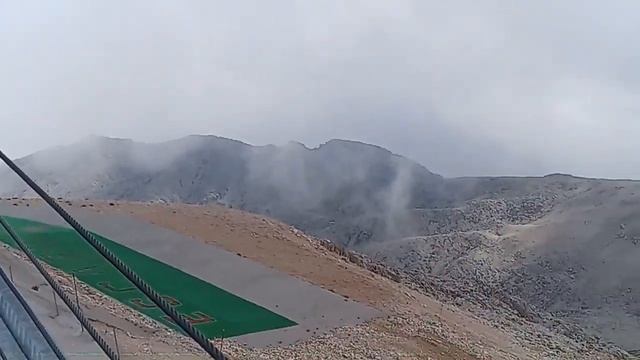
<point x="465" y="88"/>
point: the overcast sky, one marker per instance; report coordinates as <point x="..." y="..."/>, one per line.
<point x="464" y="87"/>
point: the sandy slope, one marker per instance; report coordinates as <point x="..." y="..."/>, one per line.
<point x="416" y="326"/>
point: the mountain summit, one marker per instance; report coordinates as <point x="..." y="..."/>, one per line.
<point x="546" y="247"/>
<point x="330" y="190"/>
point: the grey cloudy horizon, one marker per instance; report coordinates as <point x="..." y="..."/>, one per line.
<point x="463" y="87"/>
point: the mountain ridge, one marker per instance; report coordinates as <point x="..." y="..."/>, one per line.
<point x="473" y="237"/>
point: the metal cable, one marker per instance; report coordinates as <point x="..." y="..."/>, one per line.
<point x="30" y="313"/>
<point x="204" y="343"/>
<point x="75" y="309"/>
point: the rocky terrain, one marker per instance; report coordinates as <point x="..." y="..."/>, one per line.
<point x="412" y="325"/>
<point x="568" y="257"/>
<point x="550" y="255"/>
<point x="416" y="324"/>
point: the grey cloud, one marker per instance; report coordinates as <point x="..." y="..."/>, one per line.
<point x="464" y="87"/>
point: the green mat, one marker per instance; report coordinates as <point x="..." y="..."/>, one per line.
<point x="213" y="311"/>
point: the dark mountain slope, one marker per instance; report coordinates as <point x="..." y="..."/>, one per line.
<point x="556" y="246"/>
<point x="344" y="190"/>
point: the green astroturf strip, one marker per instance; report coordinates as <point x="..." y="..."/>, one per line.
<point x="215" y="312"/>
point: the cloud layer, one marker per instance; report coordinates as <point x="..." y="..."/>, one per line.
<point x="466" y="87"/>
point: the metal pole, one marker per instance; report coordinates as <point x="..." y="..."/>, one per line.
<point x="55" y="302"/>
<point x="11" y="274"/>
<point x="115" y="339"/>
<point x="75" y="288"/>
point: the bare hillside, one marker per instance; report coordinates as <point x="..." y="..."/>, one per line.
<point x="557" y="250"/>
<point x="572" y="257"/>
<point x="347" y="191"/>
<point x="414" y="325"/>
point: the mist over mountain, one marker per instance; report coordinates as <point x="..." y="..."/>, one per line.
<point x="344" y="190"/>
<point x="550" y="248"/>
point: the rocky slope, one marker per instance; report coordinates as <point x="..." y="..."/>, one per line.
<point x="417" y="326"/>
<point x="571" y="256"/>
<point x="412" y="325"/>
<point x="557" y="251"/>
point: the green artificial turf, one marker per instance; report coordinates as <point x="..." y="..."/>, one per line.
<point x="213" y="311"/>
